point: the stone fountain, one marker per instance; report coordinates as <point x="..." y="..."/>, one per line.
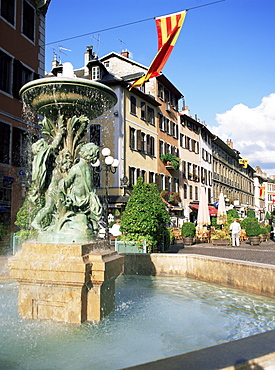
<point x="65" y="275"/>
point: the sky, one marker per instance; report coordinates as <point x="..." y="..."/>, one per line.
<point x="223" y="61"/>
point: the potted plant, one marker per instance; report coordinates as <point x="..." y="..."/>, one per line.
<point x="268" y="228"/>
<point x="264" y="234"/>
<point x="220" y="237"/>
<point x="253" y="231"/>
<point x="188" y="231"/>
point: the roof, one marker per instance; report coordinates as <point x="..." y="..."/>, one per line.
<point x="114" y="54"/>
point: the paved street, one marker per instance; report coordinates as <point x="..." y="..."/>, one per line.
<point x="263" y="253"/>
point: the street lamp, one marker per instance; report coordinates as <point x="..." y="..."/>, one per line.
<point x="110" y="165"/>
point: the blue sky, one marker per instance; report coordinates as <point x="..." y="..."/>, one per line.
<point x="223" y="62"/>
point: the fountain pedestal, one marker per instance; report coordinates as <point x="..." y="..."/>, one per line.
<point x="70" y="283"/>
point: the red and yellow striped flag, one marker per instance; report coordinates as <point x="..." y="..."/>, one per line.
<point x="262" y="191"/>
<point x="168" y="29"/>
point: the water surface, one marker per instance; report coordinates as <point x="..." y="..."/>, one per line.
<point x="154" y="318"/>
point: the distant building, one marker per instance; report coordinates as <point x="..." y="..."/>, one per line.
<point x="231" y="178"/>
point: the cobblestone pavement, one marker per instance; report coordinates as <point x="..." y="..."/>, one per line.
<point x="263" y="253"/>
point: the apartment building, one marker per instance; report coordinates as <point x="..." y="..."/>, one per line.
<point x="196" y="163"/>
<point x="22" y="52"/>
<point x="270" y="196"/>
<point x="233" y="179"/>
<point x="261" y="193"/>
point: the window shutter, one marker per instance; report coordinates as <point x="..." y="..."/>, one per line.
<point x="17" y="71"/>
<point x="148" y="144"/>
<point x="139" y="140"/>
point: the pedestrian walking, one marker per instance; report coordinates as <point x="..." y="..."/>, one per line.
<point x="235" y="230"/>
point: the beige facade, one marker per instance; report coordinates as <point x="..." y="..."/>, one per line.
<point x="231" y="178"/>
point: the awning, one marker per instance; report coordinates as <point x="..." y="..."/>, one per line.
<point x="212" y="211"/>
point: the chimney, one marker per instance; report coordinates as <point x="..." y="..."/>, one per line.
<point x="229" y="143"/>
<point x="125" y="53"/>
<point x="87" y="58"/>
<point x="55" y="62"/>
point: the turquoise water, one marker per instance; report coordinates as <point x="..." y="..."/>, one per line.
<point x="154" y="318"/>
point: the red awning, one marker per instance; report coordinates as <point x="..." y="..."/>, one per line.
<point x="212" y="211"/>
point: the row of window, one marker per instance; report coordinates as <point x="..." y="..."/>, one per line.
<point x="168" y="126"/>
<point x="171" y="184"/>
<point x="243" y="198"/>
<point x="165" y="148"/>
<point x="135" y="173"/>
<point x="188" y="143"/>
<point x="194" y="172"/>
<point x="166" y="96"/>
<point x="206" y="156"/>
<point x="13" y="145"/>
<point x="142" y="142"/>
<point x="190" y="125"/>
<point x="146" y="112"/>
<point x="225" y="174"/>
<point x="8" y="13"/>
<point x="13" y="74"/>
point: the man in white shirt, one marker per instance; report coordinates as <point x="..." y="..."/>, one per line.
<point x="235" y="229"/>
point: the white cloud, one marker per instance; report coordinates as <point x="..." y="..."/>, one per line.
<point x="252" y="131"/>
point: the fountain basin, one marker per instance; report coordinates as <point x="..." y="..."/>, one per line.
<point x="68" y="96"/>
<point x="155" y="318"/>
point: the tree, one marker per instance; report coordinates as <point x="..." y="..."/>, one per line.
<point x="145" y="216"/>
<point x="251" y="213"/>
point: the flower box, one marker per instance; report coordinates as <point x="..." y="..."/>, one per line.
<point x="130" y="247"/>
<point x="221" y="242"/>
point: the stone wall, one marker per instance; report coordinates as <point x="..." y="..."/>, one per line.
<point x="251" y="277"/>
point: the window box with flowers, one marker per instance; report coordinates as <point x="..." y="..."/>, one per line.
<point x="164" y="194"/>
<point x="220" y="237"/>
<point x="170" y="160"/>
<point x="174" y="198"/>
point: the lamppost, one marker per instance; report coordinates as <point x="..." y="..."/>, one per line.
<point x="110" y="165"/>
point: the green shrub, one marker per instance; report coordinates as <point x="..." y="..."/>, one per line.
<point x="146" y="216"/>
<point x="232" y="213"/>
<point x="188" y="230"/>
<point x="267" y="215"/>
<point x="246" y="220"/>
<point x="251" y="213"/>
<point x="268" y="228"/>
<point x="252" y="228"/>
<point x="263" y="230"/>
